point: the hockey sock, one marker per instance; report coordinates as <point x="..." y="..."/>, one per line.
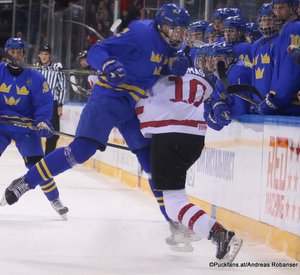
<point x="143" y="156"/>
<point x="180" y="209"/>
<point x="48" y="187"/>
<point x="60" y="160"/>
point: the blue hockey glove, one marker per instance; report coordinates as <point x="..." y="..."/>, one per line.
<point x="222" y="113"/>
<point x="114" y="71"/>
<point x="211" y="123"/>
<point x="268" y="106"/>
<point x="45" y="128"/>
<point x="209" y="116"/>
<point x="178" y="65"/>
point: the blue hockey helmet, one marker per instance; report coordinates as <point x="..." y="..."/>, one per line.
<point x="198" y="26"/>
<point x="236" y="22"/>
<point x="15" y="43"/>
<point x="266" y="9"/>
<point x="268" y="30"/>
<point x="252" y="31"/>
<point x="210" y="29"/>
<point x="172" y="15"/>
<point x="219" y="14"/>
<point x="222" y="49"/>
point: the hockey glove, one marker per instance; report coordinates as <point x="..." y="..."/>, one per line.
<point x="178" y="64"/>
<point x="209" y="116"/>
<point x="269" y="105"/>
<point x="44" y="128"/>
<point x="222" y="113"/>
<point x="114" y="71"/>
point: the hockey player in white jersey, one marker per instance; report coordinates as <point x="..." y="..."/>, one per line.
<point x="172" y="115"/>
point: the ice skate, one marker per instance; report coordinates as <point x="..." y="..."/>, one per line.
<point x="60" y="208"/>
<point x="228" y="245"/>
<point x="181" y="238"/>
<point x="14" y="191"/>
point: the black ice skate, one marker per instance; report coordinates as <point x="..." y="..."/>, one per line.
<point x="228" y="245"/>
<point x="60" y="208"/>
<point x="181" y="238"/>
<point x="14" y="191"/>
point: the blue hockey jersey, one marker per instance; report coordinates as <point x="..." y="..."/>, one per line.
<point x="286" y="77"/>
<point x="263" y="52"/>
<point x="238" y="73"/>
<point x="24" y="98"/>
<point x="144" y="59"/>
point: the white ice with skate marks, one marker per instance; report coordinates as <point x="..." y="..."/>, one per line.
<point x="111" y="229"/>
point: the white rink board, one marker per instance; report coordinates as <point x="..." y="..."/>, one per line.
<point x="232" y="172"/>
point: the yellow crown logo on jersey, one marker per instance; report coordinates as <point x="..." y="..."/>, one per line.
<point x="11" y="101"/>
<point x="22" y="91"/>
<point x="259" y="74"/>
<point x="265" y="59"/>
<point x="156" y="57"/>
<point x="157" y="71"/>
<point x="45" y="87"/>
<point x="4" y="88"/>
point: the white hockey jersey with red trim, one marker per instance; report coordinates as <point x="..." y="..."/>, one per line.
<point x="175" y="104"/>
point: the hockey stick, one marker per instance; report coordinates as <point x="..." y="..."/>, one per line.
<point x="34" y="128"/>
<point x="77" y="88"/>
<point x="230" y="89"/>
<point x="222" y="72"/>
<point x="6" y="55"/>
<point x="243" y="88"/>
<point x="86" y="26"/>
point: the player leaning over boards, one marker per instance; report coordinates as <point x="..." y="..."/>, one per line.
<point x="282" y="96"/>
<point x="25" y="96"/>
<point x="173" y="116"/>
<point x="131" y="62"/>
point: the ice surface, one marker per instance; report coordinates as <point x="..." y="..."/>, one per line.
<point x="111" y="229"/>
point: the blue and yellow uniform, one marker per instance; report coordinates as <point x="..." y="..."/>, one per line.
<point x="263" y="51"/>
<point x="131" y="63"/>
<point x="286" y="82"/>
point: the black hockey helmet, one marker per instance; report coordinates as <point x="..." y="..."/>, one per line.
<point x="45" y="48"/>
<point x="82" y="54"/>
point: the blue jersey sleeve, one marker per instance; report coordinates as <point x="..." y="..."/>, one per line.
<point x="286" y="80"/>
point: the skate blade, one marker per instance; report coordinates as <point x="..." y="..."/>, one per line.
<point x="64" y="216"/>
<point x="235" y="245"/>
<point x="181" y="247"/>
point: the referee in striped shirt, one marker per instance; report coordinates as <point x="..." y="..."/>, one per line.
<point x="57" y="83"/>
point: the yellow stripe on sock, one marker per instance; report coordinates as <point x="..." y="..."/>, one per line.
<point x="49" y="190"/>
<point x="161" y="204"/>
<point x="46" y="169"/>
<point x="41" y="172"/>
<point x="47" y="185"/>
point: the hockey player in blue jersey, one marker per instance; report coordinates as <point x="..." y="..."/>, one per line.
<point x="263" y="50"/>
<point x="234" y="27"/>
<point x="220" y="107"/>
<point x="25" y="97"/>
<point x="130" y="63"/>
<point x="194" y="39"/>
<point x="282" y="96"/>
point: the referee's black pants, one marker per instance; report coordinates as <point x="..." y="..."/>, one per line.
<point x="52" y="141"/>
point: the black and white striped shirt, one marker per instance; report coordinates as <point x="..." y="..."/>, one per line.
<point x="56" y="81"/>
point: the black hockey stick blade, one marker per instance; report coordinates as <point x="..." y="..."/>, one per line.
<point x="222" y="72"/>
<point x="243" y="88"/>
